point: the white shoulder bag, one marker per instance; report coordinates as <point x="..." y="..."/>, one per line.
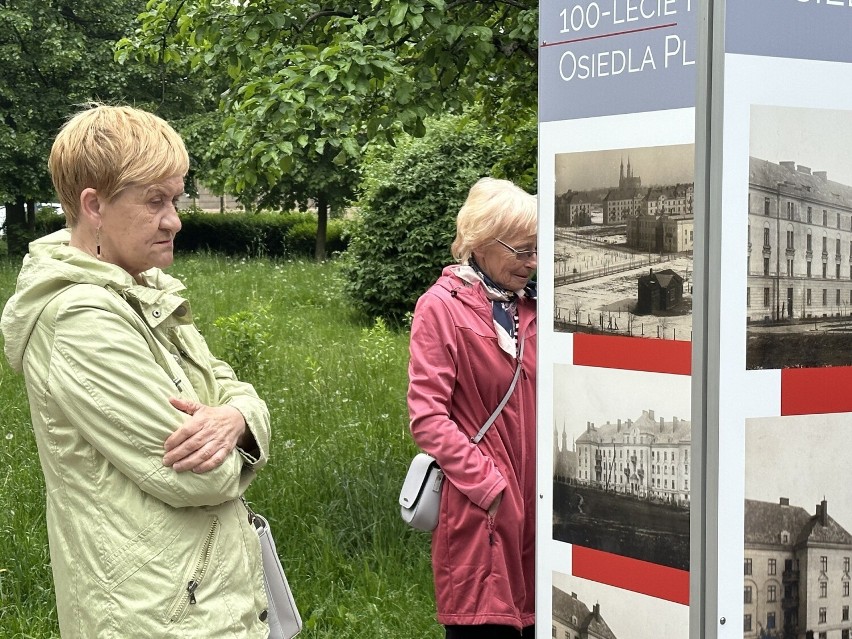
<point x="284" y="619"/>
<point x="420" y="497"/>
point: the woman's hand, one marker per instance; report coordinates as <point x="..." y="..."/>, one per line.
<point x="205" y="439"/>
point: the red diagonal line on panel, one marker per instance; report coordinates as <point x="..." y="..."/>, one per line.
<point x="809" y="391"/>
<point x="633" y="353"/>
<point x="635" y="575"/>
<point x="607" y="35"/>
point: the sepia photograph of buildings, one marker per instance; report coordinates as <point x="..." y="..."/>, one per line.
<point x="799" y="288"/>
<point x="624" y="234"/>
<point x="582" y="609"/>
<point x="621" y="463"/>
<point x="798" y="518"/>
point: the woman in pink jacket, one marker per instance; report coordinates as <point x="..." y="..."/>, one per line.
<point x="466" y="338"/>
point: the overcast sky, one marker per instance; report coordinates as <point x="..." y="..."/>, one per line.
<point x="801" y="458"/>
<point x="817" y="138"/>
<point x="661" y="165"/>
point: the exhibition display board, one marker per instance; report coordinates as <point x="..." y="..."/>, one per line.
<point x="695" y="319"/>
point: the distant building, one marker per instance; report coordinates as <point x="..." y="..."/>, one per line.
<point x="642" y="232"/>
<point x="675" y="233"/>
<point x="208" y="201"/>
<point x="627" y="180"/>
<point x="659" y="291"/>
<point x="573" y="209"/>
<point x="799" y="243"/>
<point x="665" y="223"/>
<point x="670" y="200"/>
<point x="573" y="620"/>
<point x="645" y="457"/>
<point x="622" y="204"/>
<point x="796" y="573"/>
<point x="564" y="459"/>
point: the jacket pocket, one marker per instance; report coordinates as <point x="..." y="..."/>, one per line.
<point x="194" y="577"/>
<point x="123" y="562"/>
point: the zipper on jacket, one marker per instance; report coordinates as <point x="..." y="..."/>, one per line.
<point x="187" y="597"/>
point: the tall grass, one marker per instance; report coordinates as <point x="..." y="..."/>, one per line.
<point x="335" y="387"/>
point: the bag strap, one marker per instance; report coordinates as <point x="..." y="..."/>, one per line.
<point x="476" y="438"/>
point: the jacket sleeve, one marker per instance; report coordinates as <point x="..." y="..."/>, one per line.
<point x="244" y="398"/>
<point x="110" y="388"/>
<point x="432" y="377"/>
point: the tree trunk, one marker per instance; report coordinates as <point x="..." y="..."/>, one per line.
<point x="322" y="225"/>
<point x="31" y="218"/>
<point x="18" y="234"/>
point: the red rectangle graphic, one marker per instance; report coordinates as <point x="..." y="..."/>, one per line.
<point x="633" y="353"/>
<point x="811" y="391"/>
<point x="636" y="575"/>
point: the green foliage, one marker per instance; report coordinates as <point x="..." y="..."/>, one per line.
<point x="266" y="234"/>
<point x="244" y="338"/>
<point x="340" y="446"/>
<point x="48" y="221"/>
<point x="57" y="56"/>
<point x="312" y="85"/>
<point x="377" y="343"/>
<point x="412" y="195"/>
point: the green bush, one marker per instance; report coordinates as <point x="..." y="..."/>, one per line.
<point x="245" y="339"/>
<point x="301" y="238"/>
<point x="261" y="234"/>
<point x="47" y="221"/>
<point x="412" y="194"/>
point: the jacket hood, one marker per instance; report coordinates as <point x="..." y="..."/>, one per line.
<point x="51" y="267"/>
<point x="472" y="294"/>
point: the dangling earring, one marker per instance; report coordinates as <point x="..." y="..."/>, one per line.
<point x="98" y="242"/>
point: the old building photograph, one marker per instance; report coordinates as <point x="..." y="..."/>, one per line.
<point x="619" y="215"/>
<point x="621" y="468"/>
<point x="798" y="518"/>
<point x="573" y="619"/>
<point x="583" y="609"/>
<point x="799" y="244"/>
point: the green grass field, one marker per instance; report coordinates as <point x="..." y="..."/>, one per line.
<point x="335" y="386"/>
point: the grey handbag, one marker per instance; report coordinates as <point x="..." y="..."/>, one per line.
<point x="283" y="616"/>
<point x="420" y="497"/>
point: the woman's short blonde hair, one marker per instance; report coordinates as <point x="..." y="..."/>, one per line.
<point x="494" y="208"/>
<point x="109" y="148"/>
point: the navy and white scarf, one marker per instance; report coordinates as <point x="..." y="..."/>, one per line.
<point x="504" y="303"/>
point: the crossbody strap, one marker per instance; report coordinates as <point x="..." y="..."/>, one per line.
<point x="506" y="397"/>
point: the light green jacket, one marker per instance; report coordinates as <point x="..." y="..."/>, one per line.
<point x="137" y="549"/>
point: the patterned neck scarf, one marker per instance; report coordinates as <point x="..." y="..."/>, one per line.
<point x="504" y="303"/>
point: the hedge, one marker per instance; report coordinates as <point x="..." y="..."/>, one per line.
<point x="252" y="234"/>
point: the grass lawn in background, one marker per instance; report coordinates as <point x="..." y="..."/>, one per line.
<point x="335" y="387"/>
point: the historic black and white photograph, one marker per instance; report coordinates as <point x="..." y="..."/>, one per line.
<point x="624" y="234"/>
<point x="798" y="527"/>
<point x="582" y="608"/>
<point x="621" y="462"/>
<point x="799" y="283"/>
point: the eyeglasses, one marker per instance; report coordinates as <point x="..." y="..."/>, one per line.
<point x="521" y="256"/>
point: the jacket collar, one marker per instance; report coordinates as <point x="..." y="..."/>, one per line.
<point x="52" y="266"/>
<point x="473" y="296"/>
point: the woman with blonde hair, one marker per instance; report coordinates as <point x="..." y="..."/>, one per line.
<point x="471" y="331"/>
<point x="146" y="440"/>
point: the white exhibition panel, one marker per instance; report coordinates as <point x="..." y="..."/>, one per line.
<point x="555" y="356"/>
<point x="746" y="394"/>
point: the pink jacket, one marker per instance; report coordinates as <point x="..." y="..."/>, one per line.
<point x="484" y="568"/>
